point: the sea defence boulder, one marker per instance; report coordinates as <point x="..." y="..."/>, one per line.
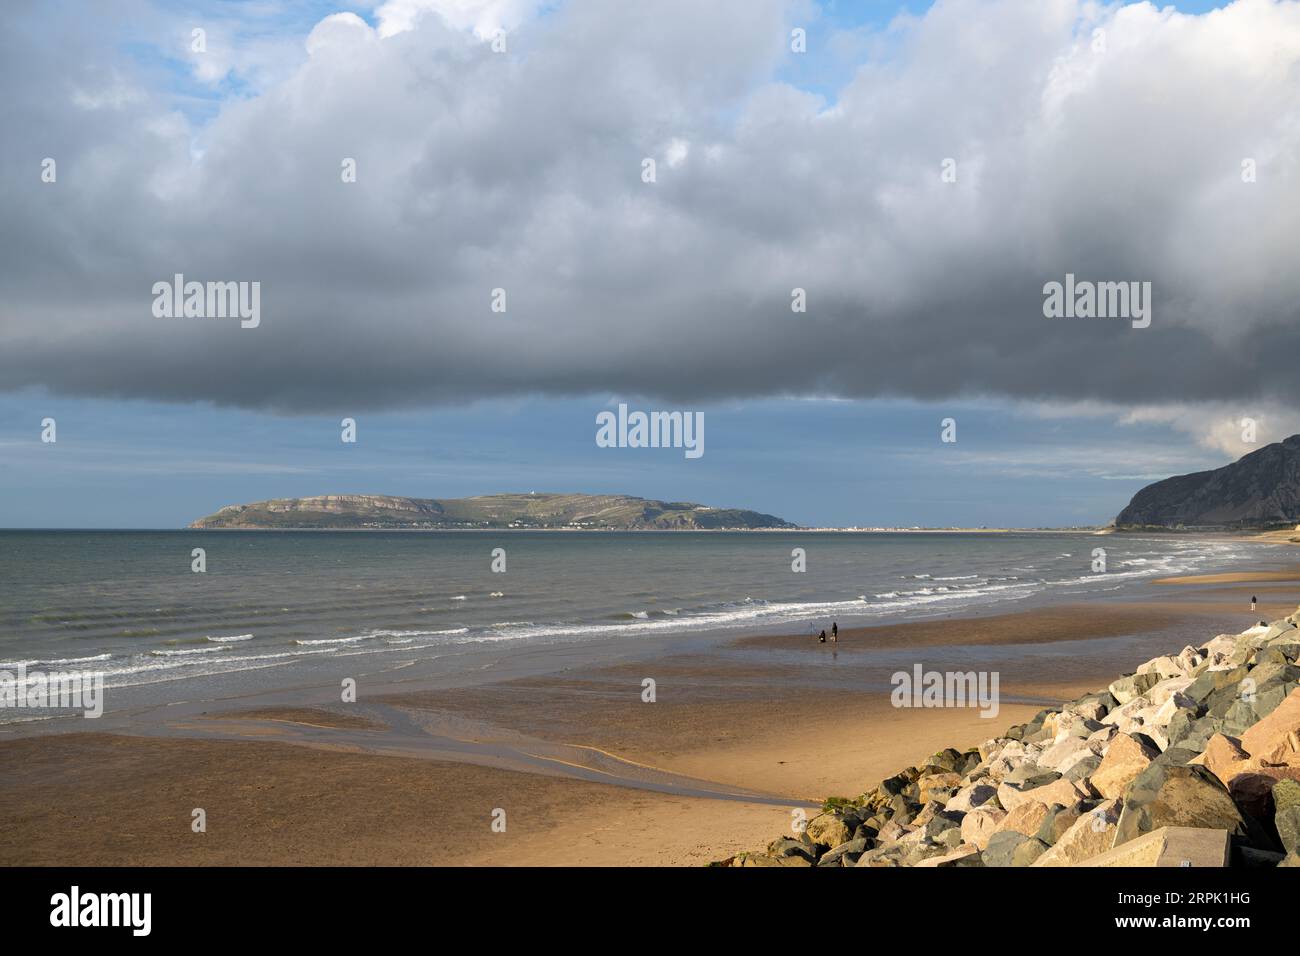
<point x="1191" y="760"/>
<point x="1170" y="846"/>
<point x="1167" y="795"/>
<point x="1125" y="758"/>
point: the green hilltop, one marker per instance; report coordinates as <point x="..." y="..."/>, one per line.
<point x="521" y="511"/>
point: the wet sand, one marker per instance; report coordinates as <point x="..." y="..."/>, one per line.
<point x="1062" y="622"/>
<point x="1291" y="536"/>
<point x="736" y="738"/>
<point x="1235" y="577"/>
<point x="107" y="800"/>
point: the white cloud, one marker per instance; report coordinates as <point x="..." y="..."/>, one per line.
<point x="115" y="95"/>
<point x="1223" y="427"/>
<point x="339" y="30"/>
<point x="676" y="152"/>
<point x="484" y="18"/>
<point x="1218" y="427"/>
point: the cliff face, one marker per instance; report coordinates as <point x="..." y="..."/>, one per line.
<point x="1261" y="490"/>
<point x="488" y="511"/>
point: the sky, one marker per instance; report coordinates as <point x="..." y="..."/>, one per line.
<point x="919" y="171"/>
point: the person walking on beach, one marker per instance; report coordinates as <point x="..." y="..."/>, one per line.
<point x="822" y="638"/>
<point x="1252" y="602"/>
<point x="835" y="633"/>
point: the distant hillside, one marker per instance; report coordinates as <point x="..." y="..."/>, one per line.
<point x="1261" y="490"/>
<point x="487" y="511"/>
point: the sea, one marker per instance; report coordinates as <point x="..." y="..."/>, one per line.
<point x="290" y="607"/>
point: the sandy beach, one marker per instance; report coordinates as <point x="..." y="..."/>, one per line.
<point x="587" y="772"/>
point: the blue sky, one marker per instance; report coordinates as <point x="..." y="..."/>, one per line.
<point x="132" y="464"/>
<point x="127" y="459"/>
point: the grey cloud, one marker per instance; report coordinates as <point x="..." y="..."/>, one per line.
<point x="479" y="171"/>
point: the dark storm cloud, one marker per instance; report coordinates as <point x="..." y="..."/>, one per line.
<point x="1117" y="159"/>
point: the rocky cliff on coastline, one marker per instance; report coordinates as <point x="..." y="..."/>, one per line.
<point x="1259" y="491"/>
<point x="1193" y="760"/>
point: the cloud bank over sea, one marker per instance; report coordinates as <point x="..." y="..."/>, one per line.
<point x="480" y="170"/>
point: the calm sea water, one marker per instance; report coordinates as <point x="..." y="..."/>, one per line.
<point x="127" y="604"/>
